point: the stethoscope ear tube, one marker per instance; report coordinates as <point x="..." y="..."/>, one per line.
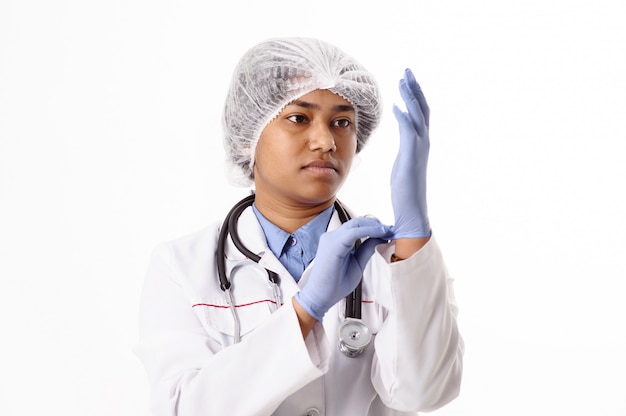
<point x="227" y="225"/>
<point x="220" y="258"/>
<point x="233" y="217"/>
<point x="353" y="300"/>
<point x="221" y="272"/>
<point x="353" y="303"/>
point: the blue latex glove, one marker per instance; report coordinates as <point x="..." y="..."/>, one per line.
<point x="408" y="176"/>
<point x="338" y="268"/>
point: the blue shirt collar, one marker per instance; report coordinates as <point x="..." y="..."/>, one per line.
<point x="307" y="236"/>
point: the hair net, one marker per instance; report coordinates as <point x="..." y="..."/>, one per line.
<point x="277" y="71"/>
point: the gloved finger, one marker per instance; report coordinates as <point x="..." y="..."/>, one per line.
<point x="418" y="94"/>
<point x="361" y="223"/>
<point x="356" y="229"/>
<point x="413" y="107"/>
<point x="366" y="250"/>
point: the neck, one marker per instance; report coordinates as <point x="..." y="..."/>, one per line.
<point x="288" y="216"/>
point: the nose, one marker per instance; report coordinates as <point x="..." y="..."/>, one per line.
<point x="322" y="138"/>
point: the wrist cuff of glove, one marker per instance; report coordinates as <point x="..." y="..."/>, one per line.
<point x="312" y="309"/>
<point x="413" y="234"/>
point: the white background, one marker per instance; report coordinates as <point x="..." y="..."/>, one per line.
<point x="110" y="143"/>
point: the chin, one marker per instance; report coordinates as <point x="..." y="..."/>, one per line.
<point x="318" y="195"/>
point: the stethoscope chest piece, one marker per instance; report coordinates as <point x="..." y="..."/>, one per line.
<point x="354" y="337"/>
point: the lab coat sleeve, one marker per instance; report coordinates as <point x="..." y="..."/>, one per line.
<point x="189" y="371"/>
<point x="419" y="352"/>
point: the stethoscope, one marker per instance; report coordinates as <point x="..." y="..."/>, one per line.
<point x="354" y="336"/>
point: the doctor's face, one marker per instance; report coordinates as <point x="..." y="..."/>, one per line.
<point x="304" y="155"/>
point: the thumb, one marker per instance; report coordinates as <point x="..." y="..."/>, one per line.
<point x="403" y="119"/>
<point x="366" y="250"/>
<point x="407" y="134"/>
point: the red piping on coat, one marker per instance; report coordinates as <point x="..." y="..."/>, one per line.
<point x="236" y="306"/>
<point x="211" y="305"/>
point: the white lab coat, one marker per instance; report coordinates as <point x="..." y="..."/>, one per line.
<point x="414" y="362"/>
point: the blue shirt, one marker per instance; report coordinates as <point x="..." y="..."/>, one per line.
<point x="295" y="251"/>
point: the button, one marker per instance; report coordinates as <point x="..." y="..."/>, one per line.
<point x="312" y="412"/>
<point x="293" y="241"/>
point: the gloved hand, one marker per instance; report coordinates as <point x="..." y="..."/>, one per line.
<point x="338" y="268"/>
<point x="408" y="176"/>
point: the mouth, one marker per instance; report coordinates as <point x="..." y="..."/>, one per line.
<point x="321" y="166"/>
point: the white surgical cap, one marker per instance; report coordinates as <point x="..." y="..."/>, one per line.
<point x="277" y="71"/>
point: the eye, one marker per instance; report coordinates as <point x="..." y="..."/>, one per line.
<point x="297" y="118"/>
<point x="342" y="122"/>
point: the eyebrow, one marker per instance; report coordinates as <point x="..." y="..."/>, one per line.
<point x="312" y="106"/>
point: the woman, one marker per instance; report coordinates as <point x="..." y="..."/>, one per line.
<point x="297" y="112"/>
